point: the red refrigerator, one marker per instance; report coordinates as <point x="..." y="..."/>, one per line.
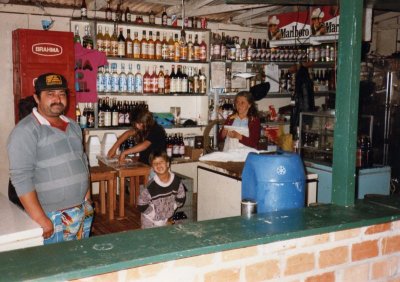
<point x="36" y="52"/>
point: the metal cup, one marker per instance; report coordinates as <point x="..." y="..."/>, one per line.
<point x="248" y="207"/>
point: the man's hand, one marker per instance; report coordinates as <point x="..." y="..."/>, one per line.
<point x="48" y="228"/>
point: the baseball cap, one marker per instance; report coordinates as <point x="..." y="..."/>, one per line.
<point x="50" y="81"/>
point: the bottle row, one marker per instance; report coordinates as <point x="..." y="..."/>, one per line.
<point x="323" y="80"/>
<point x="149" y="47"/>
<point x="117" y="113"/>
<point x="229" y="48"/>
<point x="126" y="16"/>
<point x="175" y="145"/>
<point x="183" y="80"/>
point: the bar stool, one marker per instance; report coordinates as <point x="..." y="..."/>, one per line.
<point x="106" y="176"/>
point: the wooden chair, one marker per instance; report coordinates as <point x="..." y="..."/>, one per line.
<point x="106" y="177"/>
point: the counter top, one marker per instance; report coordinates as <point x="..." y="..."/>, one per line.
<point x="231" y="169"/>
<point x="17" y="229"/>
<point x="108" y="253"/>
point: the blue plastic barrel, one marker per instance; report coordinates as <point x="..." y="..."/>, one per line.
<point x="275" y="181"/>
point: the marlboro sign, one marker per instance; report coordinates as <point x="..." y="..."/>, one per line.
<point x="315" y="21"/>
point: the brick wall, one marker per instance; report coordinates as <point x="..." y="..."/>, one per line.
<point x="361" y="254"/>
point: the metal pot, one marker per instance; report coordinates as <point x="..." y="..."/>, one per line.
<point x="248" y="207"/>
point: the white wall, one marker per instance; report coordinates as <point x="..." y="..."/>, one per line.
<point x="8" y="23"/>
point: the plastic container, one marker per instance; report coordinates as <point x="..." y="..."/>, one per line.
<point x="108" y="141"/>
<point x="275" y="181"/>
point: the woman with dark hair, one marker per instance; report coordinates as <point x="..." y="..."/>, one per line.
<point x="245" y="115"/>
<point x="148" y="134"/>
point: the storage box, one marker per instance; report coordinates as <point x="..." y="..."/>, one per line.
<point x="192" y="153"/>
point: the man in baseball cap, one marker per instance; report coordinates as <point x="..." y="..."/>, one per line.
<point x="48" y="167"/>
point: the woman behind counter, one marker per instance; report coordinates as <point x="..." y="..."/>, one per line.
<point x="244" y="115"/>
<point x="149" y="135"/>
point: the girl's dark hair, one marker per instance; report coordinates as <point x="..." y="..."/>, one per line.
<point x="159" y="154"/>
<point x="145" y="117"/>
<point x="252" y="112"/>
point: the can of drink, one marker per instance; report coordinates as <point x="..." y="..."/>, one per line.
<point x="174" y="20"/>
<point x="203" y="23"/>
<point x="186" y="22"/>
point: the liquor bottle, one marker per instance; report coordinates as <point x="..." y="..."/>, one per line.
<point x="114" y="42"/>
<point x="108" y="12"/>
<point x="152" y="17"/>
<point x="177" y="49"/>
<point x="77" y="38"/>
<point x="128" y="45"/>
<point x="114" y="113"/>
<point x="175" y="146"/>
<point x="254" y="46"/>
<point x="228" y="80"/>
<point x="190" y="80"/>
<point x="150" y="47"/>
<point x="107" y="113"/>
<point x="250" y="50"/>
<point x="83" y="10"/>
<point x="127" y="110"/>
<point x="136" y="46"/>
<point x="90" y="116"/>
<point x="258" y="58"/>
<point x="237" y="49"/>
<point x="173" y="81"/>
<point x="138" y="81"/>
<point x="178" y="80"/>
<point x="118" y="13"/>
<point x="100" y="113"/>
<point x="181" y="146"/>
<point x="123" y="79"/>
<point x="77" y="113"/>
<point x="183" y="46"/>
<point x="87" y="41"/>
<point x="282" y="82"/>
<point x="171" y="48"/>
<point x="185" y="81"/>
<point x="83" y="118"/>
<point x="167" y="81"/>
<point x="215" y="48"/>
<point x="169" y="146"/>
<point x="99" y="40"/>
<point x="121" y="44"/>
<point x="203" y="50"/>
<point x="268" y="53"/>
<point x="114" y="78"/>
<point x="161" y="81"/>
<point x="121" y="114"/>
<point x="144" y="48"/>
<point x="223" y="47"/>
<point x="232" y="49"/>
<point x="196" y="83"/>
<point x="190" y="49"/>
<point x="196" y="48"/>
<point x="158" y="47"/>
<point x="243" y="51"/>
<point x="128" y="16"/>
<point x="263" y="50"/>
<point x="130" y="80"/>
<point x="154" y="81"/>
<point x="107" y="80"/>
<point x="100" y="80"/>
<point x="164" y="17"/>
<point x="147" y="81"/>
<point x="107" y="42"/>
<point x="164" y="48"/>
<point x="202" y="82"/>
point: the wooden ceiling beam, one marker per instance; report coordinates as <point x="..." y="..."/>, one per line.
<point x="253" y="13"/>
<point x="96" y="5"/>
<point x="217" y="9"/>
<point x="285" y="2"/>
